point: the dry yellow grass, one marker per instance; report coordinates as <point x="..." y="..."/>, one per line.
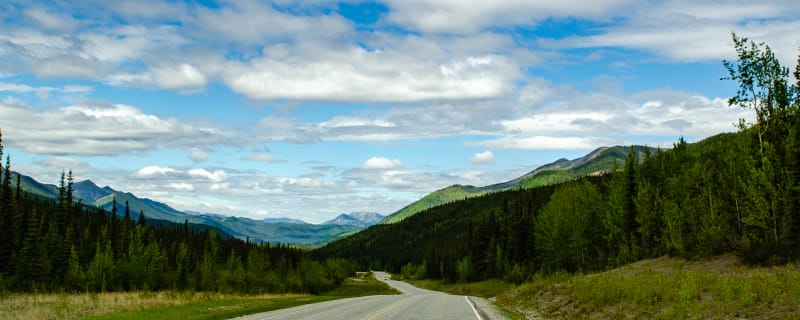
<point x="74" y="306"/>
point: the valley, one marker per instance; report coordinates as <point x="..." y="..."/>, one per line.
<point x="369" y="160"/>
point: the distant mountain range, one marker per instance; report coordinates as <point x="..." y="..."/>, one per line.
<point x="274" y="230"/>
<point x="283" y="220"/>
<point x="294" y="231"/>
<point x="599" y="161"/>
<point x="358" y="219"/>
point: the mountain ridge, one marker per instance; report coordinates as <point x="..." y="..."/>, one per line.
<point x="359" y="219"/>
<point x="598" y="161"/>
<point x="286" y="231"/>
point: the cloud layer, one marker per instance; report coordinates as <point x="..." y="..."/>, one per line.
<point x="90" y="86"/>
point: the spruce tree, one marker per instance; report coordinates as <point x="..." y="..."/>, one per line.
<point x="8" y="221"/>
<point x="1" y="172"/>
<point x="30" y="269"/>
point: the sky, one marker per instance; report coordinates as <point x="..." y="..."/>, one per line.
<point x="315" y="108"/>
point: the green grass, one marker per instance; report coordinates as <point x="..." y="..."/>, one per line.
<point x="484" y="289"/>
<point x="215" y="308"/>
<point x="665" y="288"/>
<point x="169" y="304"/>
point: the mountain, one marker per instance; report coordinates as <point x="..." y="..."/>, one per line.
<point x="599" y="161"/>
<point x="358" y="219"/>
<point x="34" y="187"/>
<point x="282" y="230"/>
<point x="283" y="220"/>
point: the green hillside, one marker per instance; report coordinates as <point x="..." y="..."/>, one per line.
<point x="716" y="196"/>
<point x="446" y="195"/>
<point x="601" y="160"/>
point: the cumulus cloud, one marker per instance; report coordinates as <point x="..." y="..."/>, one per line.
<point x="216" y="176"/>
<point x="546" y="143"/>
<point x="151" y="171"/>
<point x="541" y="116"/>
<point x="356" y="74"/>
<point x="380" y="163"/>
<point x="181" y="186"/>
<point x="97" y="129"/>
<point x="485" y="157"/>
<point x="455" y="51"/>
<point x="183" y="77"/>
<point x="445" y="16"/>
<point x="695" y="31"/>
<point x="456" y="69"/>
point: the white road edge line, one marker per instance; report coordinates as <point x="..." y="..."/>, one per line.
<point x="473" y="308"/>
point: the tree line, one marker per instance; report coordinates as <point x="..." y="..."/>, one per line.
<point x="62" y="245"/>
<point x="732" y="193"/>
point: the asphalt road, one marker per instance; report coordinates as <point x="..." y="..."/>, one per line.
<point x="414" y="303"/>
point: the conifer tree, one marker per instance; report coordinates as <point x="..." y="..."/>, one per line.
<point x="7" y="218"/>
<point x="1" y="172"/>
<point x="30" y="267"/>
<point x="75" y="279"/>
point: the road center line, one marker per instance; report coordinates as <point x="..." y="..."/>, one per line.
<point x="382" y="311"/>
<point x="471" y="305"/>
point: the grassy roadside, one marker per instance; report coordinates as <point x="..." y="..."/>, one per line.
<point x="484" y="289"/>
<point x="169" y="304"/>
<point x="664" y="288"/>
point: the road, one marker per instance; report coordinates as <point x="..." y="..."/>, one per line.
<point x="414" y="303"/>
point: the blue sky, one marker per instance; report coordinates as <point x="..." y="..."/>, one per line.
<point x="315" y="108"/>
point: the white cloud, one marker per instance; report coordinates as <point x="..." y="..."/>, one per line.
<point x="380" y="163"/>
<point x="76" y="89"/>
<point x="151" y="171"/>
<point x="181" y="186"/>
<point x="263" y="157"/>
<point x="258" y="22"/>
<point x="97" y="129"/>
<point x="485" y="157"/>
<point x="42" y="91"/>
<point x="546" y="143"/>
<point x="183" y="77"/>
<point x="344" y="121"/>
<point x="448" y="16"/>
<point x="198" y="154"/>
<point x="52" y="21"/>
<point x="355" y="74"/>
<point x="696" y="31"/>
<point x="216" y="176"/>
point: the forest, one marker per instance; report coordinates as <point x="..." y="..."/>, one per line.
<point x="733" y="193"/>
<point x="60" y="245"/>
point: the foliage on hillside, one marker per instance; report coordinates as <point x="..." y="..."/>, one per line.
<point x="60" y="245"/>
<point x="732" y="193"/>
<point x="439" y="197"/>
<point x="599" y="161"/>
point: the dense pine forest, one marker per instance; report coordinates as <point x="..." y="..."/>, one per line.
<point x="62" y="245"/>
<point x="732" y="193"/>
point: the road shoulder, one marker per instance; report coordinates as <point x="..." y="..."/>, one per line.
<point x="486" y="309"/>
